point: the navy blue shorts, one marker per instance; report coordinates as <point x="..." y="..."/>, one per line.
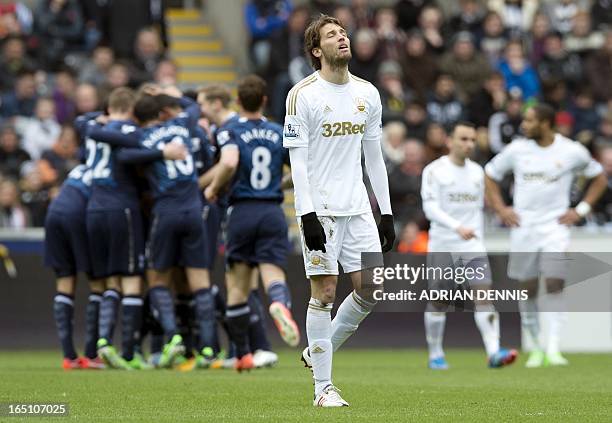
<point x="66" y="249"/>
<point x="257" y="233"/>
<point x="178" y="239"/>
<point x="212" y="215"/>
<point x="116" y="242"/>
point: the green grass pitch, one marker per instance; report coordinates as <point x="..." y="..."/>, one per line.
<point x="380" y="385"/>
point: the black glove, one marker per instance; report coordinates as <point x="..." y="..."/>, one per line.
<point x="386" y="232"/>
<point x="314" y="235"/>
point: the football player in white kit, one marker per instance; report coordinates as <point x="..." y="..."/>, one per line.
<point x="331" y="117"/>
<point x="544" y="164"/>
<point x="453" y="200"/>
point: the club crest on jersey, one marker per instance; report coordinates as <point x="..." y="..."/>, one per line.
<point x="291" y="131"/>
<point x="360" y="103"/>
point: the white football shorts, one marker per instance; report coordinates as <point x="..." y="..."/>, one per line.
<point x="538" y="250"/>
<point x="346" y="238"/>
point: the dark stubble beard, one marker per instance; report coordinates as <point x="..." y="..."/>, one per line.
<point x="335" y="61"/>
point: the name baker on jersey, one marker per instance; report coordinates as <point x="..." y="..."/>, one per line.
<point x="338" y="129"/>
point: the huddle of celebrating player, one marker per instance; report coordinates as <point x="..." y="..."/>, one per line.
<point x="96" y="224"/>
<point x="147" y="161"/>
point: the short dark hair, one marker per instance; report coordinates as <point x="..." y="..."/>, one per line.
<point x="146" y="108"/>
<point x="545" y="113"/>
<point x="167" y="101"/>
<point x="192" y="94"/>
<point x="462" y="123"/>
<point x="121" y="99"/>
<point x="251" y="93"/>
<point x="312" y="37"/>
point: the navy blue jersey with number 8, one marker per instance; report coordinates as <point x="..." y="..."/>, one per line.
<point x="262" y="156"/>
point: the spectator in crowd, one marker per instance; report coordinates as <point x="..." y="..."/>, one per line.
<point x="22" y="100"/>
<point x="602" y="210"/>
<point x="494" y="38"/>
<point x="366" y="58"/>
<point x="263" y="18"/>
<point x="420" y="67"/>
<point x="604" y="132"/>
<point x="557" y="63"/>
<point x="12" y="214"/>
<point x="583" y="39"/>
<point x="482" y="153"/>
<point x="34" y="196"/>
<point x="516" y="14"/>
<point x="299" y="68"/>
<point x="555" y="92"/>
<point x="288" y="45"/>
<point x="95" y="71"/>
<point x="14" y="61"/>
<point x="39" y="132"/>
<point x="517" y="71"/>
<point x="564" y="123"/>
<point x="166" y="73"/>
<point x="435" y="142"/>
<point x="469" y="18"/>
<point x="363" y="13"/>
<point x="15" y="19"/>
<point x="562" y="12"/>
<point x="57" y="162"/>
<point x="405" y="183"/>
<point x="390" y="37"/>
<point x="599" y="70"/>
<point x="505" y="125"/>
<point x="345" y="15"/>
<point x="490" y="99"/>
<point x="465" y="65"/>
<point x="585" y="116"/>
<point x="393" y="94"/>
<point x="413" y="239"/>
<point x="415" y="119"/>
<point x="394" y="135"/>
<point x="59" y="29"/>
<point x="86" y="99"/>
<point x="12" y="156"/>
<point x="536" y="39"/>
<point x="443" y="104"/>
<point x="63" y="95"/>
<point x="431" y="24"/>
<point x="118" y="76"/>
<point x="408" y="11"/>
<point x="126" y="18"/>
<point x="601" y="11"/>
<point x="148" y="53"/>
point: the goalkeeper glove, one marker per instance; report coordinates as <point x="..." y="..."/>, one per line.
<point x="314" y="235"/>
<point x="386" y="232"/>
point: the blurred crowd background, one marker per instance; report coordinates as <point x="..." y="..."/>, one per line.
<point x="484" y="61"/>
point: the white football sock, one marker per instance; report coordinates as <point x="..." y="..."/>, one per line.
<point x="556" y="320"/>
<point x="318" y="331"/>
<point x="350" y="314"/>
<point x="530" y="320"/>
<point x="434" y="332"/>
<point x="487" y="320"/>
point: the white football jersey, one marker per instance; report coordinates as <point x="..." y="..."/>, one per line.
<point x="332" y="121"/>
<point x="453" y="196"/>
<point x="542" y="175"/>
